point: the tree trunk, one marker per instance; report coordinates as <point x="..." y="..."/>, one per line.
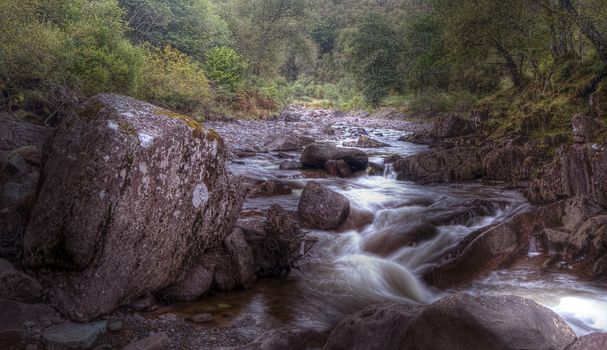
<point x="588" y="28"/>
<point x="511" y="65"/>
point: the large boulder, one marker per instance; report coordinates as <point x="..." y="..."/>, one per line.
<point x="321" y="208"/>
<point x="465" y="322"/>
<point x="290" y="142"/>
<point x="317" y="154"/>
<point x="376" y="327"/>
<point x="585" y="128"/>
<point x="131" y="195"/>
<point x="338" y="168"/>
<point x="442" y="165"/>
<point x="576" y="171"/>
<point x="483" y="251"/>
<point x="196" y="283"/>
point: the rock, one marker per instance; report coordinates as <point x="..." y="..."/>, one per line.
<point x="338" y="168"/>
<point x="201" y="318"/>
<point x="16" y="285"/>
<point x="375" y="169"/>
<point x="269" y="188"/>
<point x="576" y="171"/>
<point x="146" y="303"/>
<point x="409" y="234"/>
<point x="598" y="103"/>
<point x="14" y="316"/>
<point x="148" y="191"/>
<point x="484" y="250"/>
<point x="196" y="283"/>
<point x="290" y="165"/>
<point x="12" y="226"/>
<point x="451" y="126"/>
<point x="585" y="128"/>
<point x="246" y="321"/>
<point x="291" y="114"/>
<point x="506" y="164"/>
<point x="288" y="143"/>
<point x="456" y="164"/>
<point x="278" y="246"/>
<point x="115" y="326"/>
<point x="594" y="341"/>
<point x="317" y="154"/>
<point x="468" y="322"/>
<point x="73" y="335"/>
<point x="376" y="327"/>
<point x="365" y="141"/>
<point x="241" y="264"/>
<point x="283" y="339"/>
<point x="156" y="341"/>
<point x="15" y="134"/>
<point x="322" y="208"/>
<point x="357" y="219"/>
<point x="30" y="154"/>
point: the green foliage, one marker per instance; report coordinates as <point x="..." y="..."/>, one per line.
<point x="173" y="80"/>
<point x="225" y="68"/>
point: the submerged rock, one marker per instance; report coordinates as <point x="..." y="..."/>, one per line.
<point x="317" y="154"/>
<point x="321" y="208"/>
<point x="130" y="193"/>
<point x="290" y="165"/>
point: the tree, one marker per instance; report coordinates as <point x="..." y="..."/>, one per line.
<point x="374" y="53"/>
<point x="225" y="68"/>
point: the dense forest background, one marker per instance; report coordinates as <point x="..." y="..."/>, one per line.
<point x="535" y="62"/>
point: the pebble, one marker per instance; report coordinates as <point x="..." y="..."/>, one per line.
<point x="74" y="335"/>
<point x="115" y="326"/>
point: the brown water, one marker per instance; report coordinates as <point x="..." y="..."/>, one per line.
<point x="352" y="269"/>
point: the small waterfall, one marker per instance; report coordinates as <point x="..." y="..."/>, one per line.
<point x="389" y="172"/>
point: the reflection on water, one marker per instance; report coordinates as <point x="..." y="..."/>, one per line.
<point x="413" y="226"/>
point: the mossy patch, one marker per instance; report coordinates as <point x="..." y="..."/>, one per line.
<point x="197" y="127"/>
<point x="126" y="127"/>
<point x="91" y="111"/>
<point x="213" y="135"/>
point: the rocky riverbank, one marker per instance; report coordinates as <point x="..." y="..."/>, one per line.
<point x="127" y="210"/>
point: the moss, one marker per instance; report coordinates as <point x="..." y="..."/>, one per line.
<point x="91" y="111"/>
<point x="128" y="128"/>
<point x="197" y="127"/>
<point x="213" y="135"/>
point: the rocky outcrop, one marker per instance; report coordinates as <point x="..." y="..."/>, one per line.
<point x="365" y="141"/>
<point x="585" y="128"/>
<point x="376" y="327"/>
<point x="317" y="154"/>
<point x="456" y="322"/>
<point x="509" y="163"/>
<point x="321" y="208"/>
<point x="485" y="250"/>
<point x="444" y="127"/>
<point x="576" y="171"/>
<point x="442" y="165"/>
<point x="131" y="194"/>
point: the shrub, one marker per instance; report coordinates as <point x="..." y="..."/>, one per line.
<point x="225" y="68"/>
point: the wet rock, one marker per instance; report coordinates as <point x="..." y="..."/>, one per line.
<point x="156" y="341"/>
<point x="409" y="234"/>
<point x="470" y="322"/>
<point x="269" y="188"/>
<point x="594" y="341"/>
<point x="376" y="327"/>
<point x="14" y="316"/>
<point x="321" y="208"/>
<point x="365" y="141"/>
<point x="239" y="269"/>
<point x="148" y="189"/>
<point x="201" y="318"/>
<point x="576" y="171"/>
<point x="375" y="169"/>
<point x="73" y="335"/>
<point x="15" y="134"/>
<point x="288" y="143"/>
<point x="585" y="128"/>
<point x="484" y="250"/>
<point x="16" y="285"/>
<point x="357" y="220"/>
<point x="317" y="154"/>
<point x="246" y="321"/>
<point x="338" y="168"/>
<point x="196" y="283"/>
<point x="290" y="165"/>
<point x="456" y="164"/>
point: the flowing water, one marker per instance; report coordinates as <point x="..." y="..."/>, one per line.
<point x="409" y="229"/>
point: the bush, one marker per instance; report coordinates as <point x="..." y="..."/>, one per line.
<point x="225" y="68"/>
<point x="173" y="80"/>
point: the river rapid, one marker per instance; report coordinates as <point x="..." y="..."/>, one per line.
<point x="374" y="262"/>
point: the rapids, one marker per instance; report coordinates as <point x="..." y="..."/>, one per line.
<point x="376" y="261"/>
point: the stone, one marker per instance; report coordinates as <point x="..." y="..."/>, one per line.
<point x="30" y="154"/>
<point x="156" y="341"/>
<point x="466" y="322"/>
<point x="456" y="164"/>
<point x="338" y="168"/>
<point x="321" y="208"/>
<point x="594" y="341"/>
<point x="283" y="339"/>
<point x="365" y="141"/>
<point x="201" y="318"/>
<point x="451" y="126"/>
<point x="576" y="171"/>
<point x="148" y="192"/>
<point x="376" y="327"/>
<point x="290" y="165"/>
<point x="16" y="285"/>
<point x="16" y="133"/>
<point x="317" y="154"/>
<point x="506" y="164"/>
<point x="14" y="316"/>
<point x="598" y="103"/>
<point x="241" y="263"/>
<point x="196" y="283"/>
<point x="73" y="335"/>
<point x="146" y="303"/>
<point x="289" y="143"/>
<point x="115" y="326"/>
<point x="585" y="128"/>
<point x="12" y="226"/>
<point x="269" y="188"/>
